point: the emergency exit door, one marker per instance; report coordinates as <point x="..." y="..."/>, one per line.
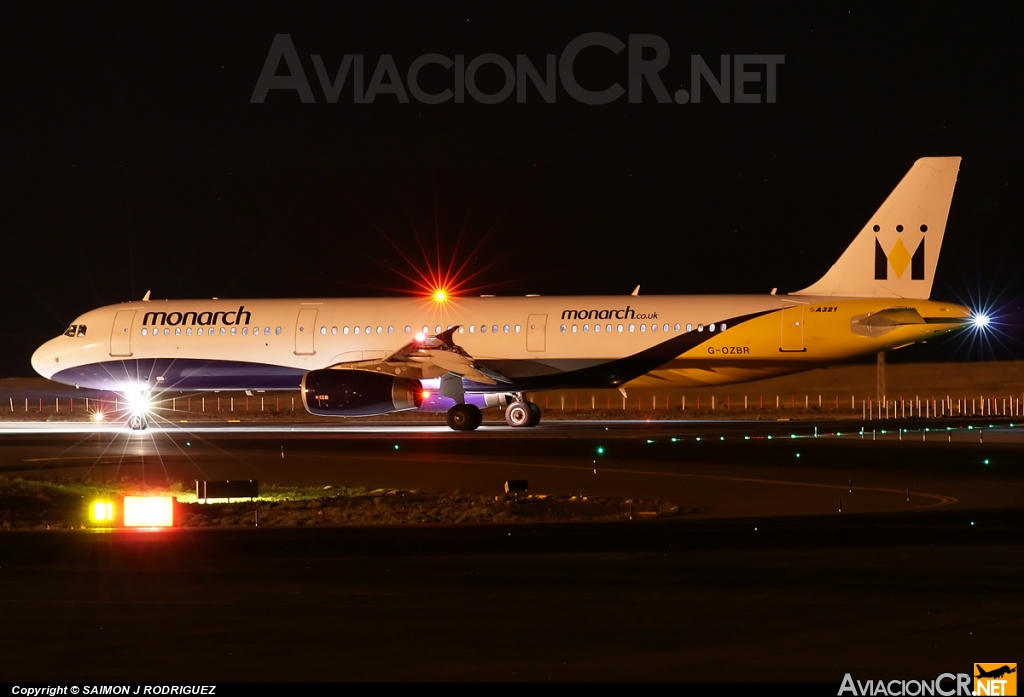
<point x="792" y="339"/>
<point x="121" y="333"/>
<point x="305" y="330"/>
<point x="535" y="332"/>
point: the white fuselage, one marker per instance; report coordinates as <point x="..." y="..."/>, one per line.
<point x="537" y="342"/>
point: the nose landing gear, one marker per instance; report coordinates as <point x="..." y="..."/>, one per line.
<point x="138" y="422"/>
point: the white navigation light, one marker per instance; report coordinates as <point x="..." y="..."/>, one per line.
<point x="980" y="320"/>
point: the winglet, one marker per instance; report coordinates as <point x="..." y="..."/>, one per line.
<point x="145" y="298"/>
<point x="636" y="291"/>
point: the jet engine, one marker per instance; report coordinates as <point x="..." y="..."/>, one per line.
<point x="358" y="393"/>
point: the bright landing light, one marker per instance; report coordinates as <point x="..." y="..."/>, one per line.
<point x="138" y="402"/>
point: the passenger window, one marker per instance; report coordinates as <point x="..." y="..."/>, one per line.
<point x="167" y="332"/>
<point x="517" y="329"/>
<point x="391" y="330"/>
<point x="266" y="330"/>
<point x="643" y="327"/>
<point x="689" y="327"/>
<point x="177" y="331"/>
<point x="700" y="327"/>
<point x="586" y="327"/>
<point x="505" y="329"/>
<point x="494" y="328"/>
<point x="677" y="327"/>
<point x="234" y="330"/>
<point x="256" y="331"/>
<point x="620" y="329"/>
<point x="563" y="329"/>
<point x="70" y="331"/>
<point x="462" y="330"/>
<point x="722" y="327"/>
<point x="199" y="332"/>
<point x="188" y="332"/>
<point x="437" y="329"/>
<point x="471" y="328"/>
<point x="355" y="329"/>
<point x="81" y="330"/>
<point x="711" y="327"/>
<point x="276" y="331"/>
<point x="144" y="331"/>
<point x="323" y="330"/>
<point x="608" y="328"/>
<point x="574" y="329"/>
<point x="483" y="328"/>
<point x="223" y="331"/>
<point x="654" y="327"/>
<point x="344" y="330"/>
<point x="597" y="327"/>
<point x="368" y="330"/>
<point x="380" y="329"/>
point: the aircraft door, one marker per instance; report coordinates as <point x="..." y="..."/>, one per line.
<point x="305" y="330"/>
<point x="792" y="339"/>
<point x="121" y="333"/>
<point x="535" y="326"/>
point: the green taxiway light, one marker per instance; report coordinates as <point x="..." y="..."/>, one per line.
<point x="970" y="428"/>
<point x="769" y="437"/>
<point x="721" y="438"/>
<point x="698" y="437"/>
<point x="396" y="446"/>
<point x="985" y="460"/>
<point x="649" y="440"/>
<point x="675" y="440"/>
<point x="746" y="437"/>
<point x="600" y="450"/>
<point x="792" y="435"/>
<point x="798" y="454"/>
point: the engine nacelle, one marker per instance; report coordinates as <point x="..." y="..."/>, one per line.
<point x="358" y="393"/>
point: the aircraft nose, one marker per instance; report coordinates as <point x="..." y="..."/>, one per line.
<point x="42" y="359"/>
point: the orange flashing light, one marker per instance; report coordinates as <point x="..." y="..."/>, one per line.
<point x="148" y="511"/>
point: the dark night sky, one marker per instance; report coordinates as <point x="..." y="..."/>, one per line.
<point x="133" y="160"/>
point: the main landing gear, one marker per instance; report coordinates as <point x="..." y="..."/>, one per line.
<point x="464" y="417"/>
<point x="522" y="414"/>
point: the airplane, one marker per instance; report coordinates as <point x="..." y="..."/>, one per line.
<point x="995" y="673"/>
<point x="360" y="357"/>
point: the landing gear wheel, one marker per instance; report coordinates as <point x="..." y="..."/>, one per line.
<point x="535" y="412"/>
<point x="519" y="415"/>
<point x="464" y="417"/>
<point x="137" y="422"/>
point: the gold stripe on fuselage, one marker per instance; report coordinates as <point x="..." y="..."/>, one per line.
<point x="805" y="336"/>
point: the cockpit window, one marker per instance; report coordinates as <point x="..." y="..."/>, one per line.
<point x="81" y="330"/>
<point x="71" y="330"/>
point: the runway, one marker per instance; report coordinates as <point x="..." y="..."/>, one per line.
<point x="722" y="469"/>
<point x="766" y="579"/>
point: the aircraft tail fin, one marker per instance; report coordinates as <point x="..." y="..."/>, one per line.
<point x="896" y="252"/>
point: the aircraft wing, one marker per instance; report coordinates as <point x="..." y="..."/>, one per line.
<point x="433" y="356"/>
